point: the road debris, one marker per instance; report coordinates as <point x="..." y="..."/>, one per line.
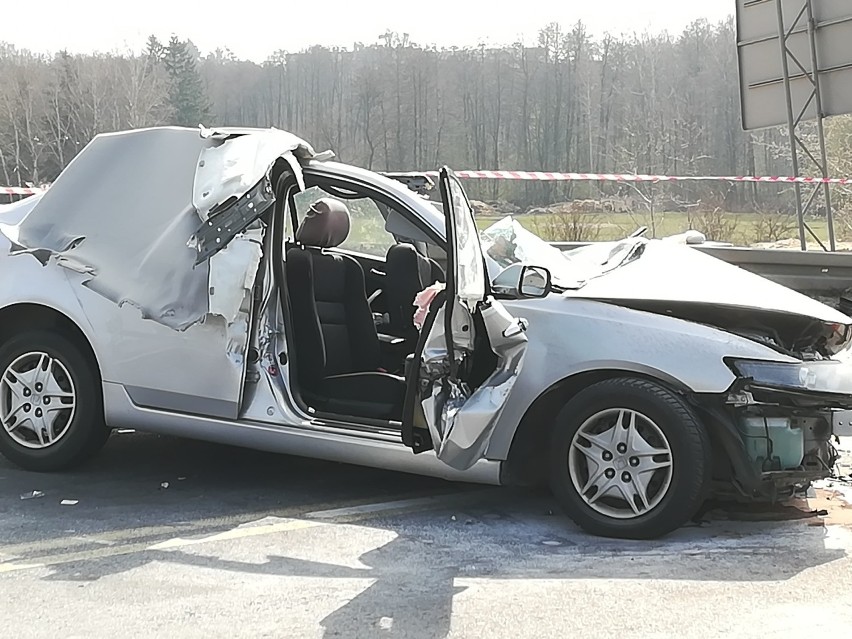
<point x="33" y="494"/>
<point x="164" y="485"/>
<point x="69" y="502"/>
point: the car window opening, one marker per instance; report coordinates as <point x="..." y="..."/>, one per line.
<point x="351" y="287"/>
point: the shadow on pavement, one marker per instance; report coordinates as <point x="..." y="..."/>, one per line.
<point x="417" y="574"/>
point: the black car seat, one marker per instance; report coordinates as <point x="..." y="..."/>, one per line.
<point x="407" y="272"/>
<point x="336" y="345"/>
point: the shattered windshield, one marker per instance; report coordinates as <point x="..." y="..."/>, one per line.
<point x="507" y="242"/>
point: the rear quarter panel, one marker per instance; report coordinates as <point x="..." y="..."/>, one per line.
<point x="191" y="371"/>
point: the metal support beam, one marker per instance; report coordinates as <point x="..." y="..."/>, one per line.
<point x="829" y="214"/>
<point x="806" y="13"/>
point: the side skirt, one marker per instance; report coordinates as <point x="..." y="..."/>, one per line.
<point x="362" y="450"/>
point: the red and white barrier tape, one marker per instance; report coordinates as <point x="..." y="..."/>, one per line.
<point x="548" y="176"/>
<point x="19" y="190"/>
<point x="628" y="177"/>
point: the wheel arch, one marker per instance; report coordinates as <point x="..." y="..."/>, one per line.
<point x="523" y="463"/>
<point x="25" y="316"/>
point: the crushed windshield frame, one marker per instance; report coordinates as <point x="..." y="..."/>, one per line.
<point x="507" y="243"/>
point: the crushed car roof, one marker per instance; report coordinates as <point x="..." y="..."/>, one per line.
<point x="124" y="213"/>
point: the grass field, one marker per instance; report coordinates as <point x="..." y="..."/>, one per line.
<point x="743" y="229"/>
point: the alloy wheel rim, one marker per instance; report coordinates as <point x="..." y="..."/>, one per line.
<point x="38" y="400"/>
<point x="620" y="463"/>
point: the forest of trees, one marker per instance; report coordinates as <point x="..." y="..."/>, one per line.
<point x="645" y="103"/>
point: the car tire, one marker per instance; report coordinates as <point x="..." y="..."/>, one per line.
<point x="62" y="424"/>
<point x="597" y="460"/>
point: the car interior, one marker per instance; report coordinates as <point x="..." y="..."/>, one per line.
<point x="350" y="288"/>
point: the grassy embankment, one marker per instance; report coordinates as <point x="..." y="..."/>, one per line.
<point x="742" y="229"/>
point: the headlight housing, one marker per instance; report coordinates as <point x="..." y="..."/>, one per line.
<point x="830" y="379"/>
<point x="794" y="376"/>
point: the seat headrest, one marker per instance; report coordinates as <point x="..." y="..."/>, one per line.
<point x="404" y="260"/>
<point x="326" y="225"/>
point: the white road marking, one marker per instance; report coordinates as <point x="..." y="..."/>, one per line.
<point x="240" y="532"/>
<point x="94" y="540"/>
<point x="12" y="567"/>
<point x="417" y="503"/>
<point x="308" y="520"/>
<point x="317" y="517"/>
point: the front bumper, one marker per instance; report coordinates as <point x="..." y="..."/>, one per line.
<point x="756" y="469"/>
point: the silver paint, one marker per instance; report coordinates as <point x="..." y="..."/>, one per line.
<point x="118" y="260"/>
<point x="329" y="444"/>
<point x="613" y="469"/>
<point x="697" y="278"/>
<point x="461" y="421"/>
<point x="37" y="400"/>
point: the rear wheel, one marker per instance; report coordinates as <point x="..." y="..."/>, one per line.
<point x="629" y="459"/>
<point x="51" y="406"/>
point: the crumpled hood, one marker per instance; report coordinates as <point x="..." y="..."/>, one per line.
<point x="669" y="272"/>
<point x="679" y="281"/>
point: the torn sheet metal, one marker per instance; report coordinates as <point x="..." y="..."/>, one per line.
<point x="232" y="273"/>
<point x="461" y="422"/>
<point x="124" y="212"/>
<point x="237" y="332"/>
<point x="638" y="269"/>
<point x="216" y="233"/>
<point x="506" y="243"/>
<point x="675" y="273"/>
<point x="240" y="159"/>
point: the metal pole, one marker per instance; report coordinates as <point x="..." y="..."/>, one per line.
<point x="791" y="124"/>
<point x="653" y="217"/>
<point x="829" y="214"/>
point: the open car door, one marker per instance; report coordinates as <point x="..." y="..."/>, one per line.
<point x="470" y="350"/>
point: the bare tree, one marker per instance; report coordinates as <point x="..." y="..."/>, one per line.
<point x="642" y="103"/>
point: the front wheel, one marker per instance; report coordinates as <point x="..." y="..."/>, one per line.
<point x="629" y="459"/>
<point x="51" y="407"/>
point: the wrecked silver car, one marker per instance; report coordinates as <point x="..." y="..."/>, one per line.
<point x="235" y="285"/>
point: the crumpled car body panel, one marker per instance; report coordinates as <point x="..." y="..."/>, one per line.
<point x="130" y="204"/>
<point x="125" y="203"/>
<point x="677" y="274"/>
<point x="114" y="245"/>
<point x="122" y="222"/>
<point x="461" y="420"/>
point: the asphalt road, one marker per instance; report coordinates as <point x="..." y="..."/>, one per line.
<point x="169" y="538"/>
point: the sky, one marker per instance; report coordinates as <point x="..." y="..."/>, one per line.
<point x="253" y="29"/>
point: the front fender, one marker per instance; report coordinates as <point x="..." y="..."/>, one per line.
<point x="570" y="337"/>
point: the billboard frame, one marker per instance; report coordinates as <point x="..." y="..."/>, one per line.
<point x="801" y="44"/>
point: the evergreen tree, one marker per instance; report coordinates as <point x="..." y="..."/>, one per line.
<point x="154" y="49"/>
<point x="187" y="95"/>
